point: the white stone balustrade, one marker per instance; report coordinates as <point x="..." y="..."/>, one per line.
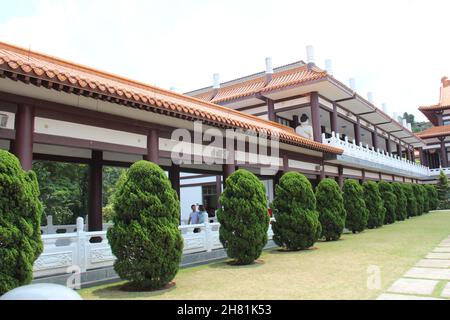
<point x="80" y="251"/>
<point x="50" y="228"/>
<point x="437" y="171"/>
<point x="376" y="156"/>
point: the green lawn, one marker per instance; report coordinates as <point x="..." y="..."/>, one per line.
<point x="334" y="270"/>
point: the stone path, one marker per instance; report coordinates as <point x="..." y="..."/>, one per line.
<point x="429" y="279"/>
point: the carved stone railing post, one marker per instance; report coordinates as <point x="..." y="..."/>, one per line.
<point x="81" y="245"/>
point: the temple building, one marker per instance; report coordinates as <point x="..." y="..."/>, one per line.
<point x="296" y="117"/>
<point x="437" y="138"/>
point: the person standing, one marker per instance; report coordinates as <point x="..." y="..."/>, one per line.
<point x="304" y="129"/>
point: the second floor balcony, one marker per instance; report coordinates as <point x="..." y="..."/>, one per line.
<point x="369" y="158"/>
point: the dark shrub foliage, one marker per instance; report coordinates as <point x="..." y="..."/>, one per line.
<point x="411" y="202"/>
<point x="374" y="204"/>
<point x="20" y="223"/>
<point x="357" y="213"/>
<point x="330" y="205"/>
<point x="145" y="236"/>
<point x="244" y="219"/>
<point x="432" y="196"/>
<point x="419" y="198"/>
<point x="442" y="188"/>
<point x="401" y="205"/>
<point x="426" y="199"/>
<point x="297" y="223"/>
<point x="389" y="201"/>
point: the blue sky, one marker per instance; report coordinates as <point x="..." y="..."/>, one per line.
<point x="396" y="49"/>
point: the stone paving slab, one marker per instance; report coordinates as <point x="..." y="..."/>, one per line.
<point x="442" y="249"/>
<point x="446" y="292"/>
<point x="438" y="255"/>
<point x="428" y="273"/>
<point x="433" y="263"/>
<point x="413" y="286"/>
<point x="393" y="296"/>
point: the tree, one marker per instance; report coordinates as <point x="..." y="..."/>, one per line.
<point x="244" y="218"/>
<point x="432" y="196"/>
<point x="20" y="223"/>
<point x="401" y="204"/>
<point x="296" y="224"/>
<point x="145" y="236"/>
<point x="417" y="190"/>
<point x="374" y="204"/>
<point x="389" y="201"/>
<point x="357" y="213"/>
<point x="411" y="202"/>
<point x="443" y="191"/>
<point x="330" y="205"/>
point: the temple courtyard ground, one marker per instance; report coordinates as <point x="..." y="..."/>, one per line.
<point x="409" y="258"/>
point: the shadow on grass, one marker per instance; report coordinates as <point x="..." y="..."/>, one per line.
<point x="230" y="264"/>
<point x="285" y="251"/>
<point x="117" y="292"/>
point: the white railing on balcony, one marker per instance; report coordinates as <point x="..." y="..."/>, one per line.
<point x="51" y="228"/>
<point x="376" y="156"/>
<point x="437" y="171"/>
<point x="80" y="251"/>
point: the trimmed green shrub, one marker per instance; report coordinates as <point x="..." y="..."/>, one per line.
<point x="426" y="199"/>
<point x="389" y="202"/>
<point x="355" y="207"/>
<point x="297" y="223"/>
<point x="411" y="202"/>
<point x="401" y="205"/>
<point x="419" y="198"/>
<point x="432" y="196"/>
<point x="145" y="236"/>
<point x="244" y="218"/>
<point x="442" y="188"/>
<point x="20" y="223"/>
<point x="374" y="204"/>
<point x="330" y="205"/>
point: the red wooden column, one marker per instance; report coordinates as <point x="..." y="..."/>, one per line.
<point x="315" y="117"/>
<point x="230" y="162"/>
<point x="95" y="192"/>
<point x="152" y="146"/>
<point x="375" y="138"/>
<point x="444" y="160"/>
<point x="174" y="177"/>
<point x="388" y="144"/>
<point x="341" y="176"/>
<point x="23" y="144"/>
<point x="399" y="150"/>
<point x="333" y="118"/>
<point x="357" y="128"/>
<point x="270" y="110"/>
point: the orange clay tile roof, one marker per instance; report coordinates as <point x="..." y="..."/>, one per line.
<point x="433" y="132"/>
<point x="444" y="97"/>
<point x="36" y="68"/>
<point x="279" y="80"/>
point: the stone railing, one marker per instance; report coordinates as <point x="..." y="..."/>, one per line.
<point x="376" y="156"/>
<point x="81" y="251"/>
<point x="51" y="228"/>
<point x="437" y="171"/>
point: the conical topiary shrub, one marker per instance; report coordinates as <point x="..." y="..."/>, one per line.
<point x="443" y="191"/>
<point x="357" y="213"/>
<point x="330" y="205"/>
<point x="401" y="205"/>
<point x="20" y="223"/>
<point x="426" y="199"/>
<point x="417" y="190"/>
<point x="297" y="223"/>
<point x="244" y="218"/>
<point x="432" y="196"/>
<point x="389" y="202"/>
<point x="145" y="236"/>
<point x="411" y="202"/>
<point x="374" y="204"/>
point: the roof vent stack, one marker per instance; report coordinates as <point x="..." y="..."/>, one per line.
<point x="370" y="96"/>
<point x="269" y="69"/>
<point x="409" y="126"/>
<point x="395" y="116"/>
<point x="328" y="67"/>
<point x="352" y="83"/>
<point x="384" y="107"/>
<point x="404" y="123"/>
<point x="216" y="81"/>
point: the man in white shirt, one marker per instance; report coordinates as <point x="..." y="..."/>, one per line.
<point x="304" y="129"/>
